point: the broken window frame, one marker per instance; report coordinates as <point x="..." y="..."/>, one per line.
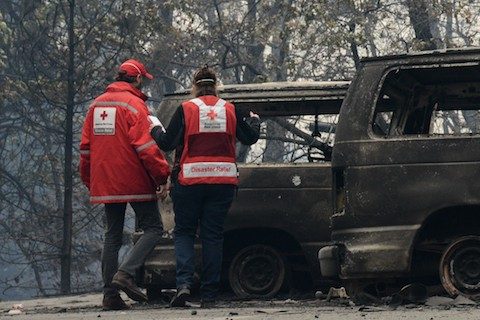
<point x="300" y="137"/>
<point x="409" y="99"/>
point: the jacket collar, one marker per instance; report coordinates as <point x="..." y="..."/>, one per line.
<point x="121" y="86"/>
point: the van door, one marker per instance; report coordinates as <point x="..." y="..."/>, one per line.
<point x="285" y="181"/>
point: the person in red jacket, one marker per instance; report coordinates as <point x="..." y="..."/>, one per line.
<point x="203" y="131"/>
<point x="120" y="163"/>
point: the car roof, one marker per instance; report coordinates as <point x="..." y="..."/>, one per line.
<point x="302" y="97"/>
<point x="414" y="55"/>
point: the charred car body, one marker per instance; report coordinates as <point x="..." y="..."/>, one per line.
<point x="280" y="217"/>
<point x="406" y="169"/>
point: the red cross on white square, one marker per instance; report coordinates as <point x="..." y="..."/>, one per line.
<point x="212" y="114"/>
<point x="104" y="115"/>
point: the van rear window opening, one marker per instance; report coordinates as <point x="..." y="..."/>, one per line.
<point x="292" y="139"/>
<point x="431" y="101"/>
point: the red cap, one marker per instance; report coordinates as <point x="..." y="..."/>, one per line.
<point x="133" y="68"/>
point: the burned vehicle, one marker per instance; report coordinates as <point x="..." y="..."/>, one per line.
<point x="406" y="172"/>
<point x="280" y="216"/>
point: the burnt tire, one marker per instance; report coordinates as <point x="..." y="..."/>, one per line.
<point x="460" y="267"/>
<point x="257" y="271"/>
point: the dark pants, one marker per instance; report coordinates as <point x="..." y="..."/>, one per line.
<point x="148" y="217"/>
<point x="206" y="205"/>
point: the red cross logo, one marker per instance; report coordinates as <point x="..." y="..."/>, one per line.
<point x="211" y="114"/>
<point x="104" y="115"/>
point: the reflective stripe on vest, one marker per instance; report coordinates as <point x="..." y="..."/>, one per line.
<point x="209" y="169"/>
<point x="200" y="103"/>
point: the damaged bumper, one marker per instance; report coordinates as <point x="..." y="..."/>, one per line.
<point x="368" y="252"/>
<point x="160" y="265"/>
<point x="329" y="259"/>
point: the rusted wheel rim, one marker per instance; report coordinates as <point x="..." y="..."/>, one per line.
<point x="460" y="267"/>
<point x="258" y="270"/>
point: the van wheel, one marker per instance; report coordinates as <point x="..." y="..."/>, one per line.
<point x="460" y="267"/>
<point x="257" y="271"/>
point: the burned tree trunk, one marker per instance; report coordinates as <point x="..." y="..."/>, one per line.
<point x="420" y="20"/>
<point x="66" y="256"/>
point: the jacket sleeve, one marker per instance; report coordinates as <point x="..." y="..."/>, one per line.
<point x="152" y="158"/>
<point x="173" y="136"/>
<point x="84" y="166"/>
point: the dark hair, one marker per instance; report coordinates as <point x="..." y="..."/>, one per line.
<point x="204" y="82"/>
<point x="122" y="76"/>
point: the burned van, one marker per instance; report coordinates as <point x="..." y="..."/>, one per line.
<point x="280" y="216"/>
<point x="406" y="170"/>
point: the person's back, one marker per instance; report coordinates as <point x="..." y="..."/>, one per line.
<point x="209" y="142"/>
<point x="118" y="120"/>
<point x="120" y="164"/>
<point x="204" y="132"/>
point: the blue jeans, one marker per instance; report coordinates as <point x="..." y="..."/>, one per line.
<point x="205" y="205"/>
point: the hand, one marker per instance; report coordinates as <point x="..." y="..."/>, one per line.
<point x="254" y="115"/>
<point x="154" y="122"/>
<point x="162" y="191"/>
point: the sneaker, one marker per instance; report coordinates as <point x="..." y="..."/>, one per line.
<point x="180" y="299"/>
<point x="114" y="303"/>
<point x="208" y="304"/>
<point x="125" y="282"/>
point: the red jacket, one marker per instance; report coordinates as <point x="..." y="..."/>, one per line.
<point x="208" y="155"/>
<point x="119" y="160"/>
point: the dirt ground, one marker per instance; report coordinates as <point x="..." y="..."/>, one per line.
<point x="89" y="307"/>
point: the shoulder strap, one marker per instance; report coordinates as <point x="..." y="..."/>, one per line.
<point x="199" y="103"/>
